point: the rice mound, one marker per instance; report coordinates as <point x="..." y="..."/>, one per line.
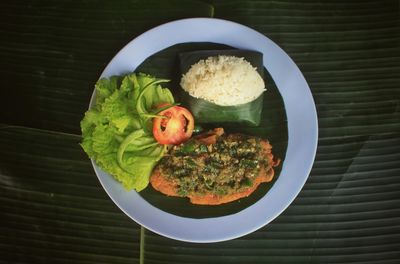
<point x="223" y="80"/>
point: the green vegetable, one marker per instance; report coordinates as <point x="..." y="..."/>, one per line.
<point x="197" y="129"/>
<point x="208" y="112"/>
<point x="115" y="130"/>
<point x="187" y="148"/>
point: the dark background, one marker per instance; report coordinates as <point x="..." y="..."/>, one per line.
<point x="52" y="207"/>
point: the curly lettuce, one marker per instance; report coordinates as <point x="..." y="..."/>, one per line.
<point x="115" y="131"/>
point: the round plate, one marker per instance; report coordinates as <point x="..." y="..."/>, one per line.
<point x="302" y="131"/>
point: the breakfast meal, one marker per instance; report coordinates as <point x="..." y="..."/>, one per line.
<point x="137" y="133"/>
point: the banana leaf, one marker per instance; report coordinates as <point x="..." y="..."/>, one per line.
<point x="208" y="112"/>
<point x="273" y="126"/>
<point x="53" y="209"/>
<point x="51" y="73"/>
<point x="348" y="211"/>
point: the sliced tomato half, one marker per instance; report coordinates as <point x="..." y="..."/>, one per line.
<point x="176" y="126"/>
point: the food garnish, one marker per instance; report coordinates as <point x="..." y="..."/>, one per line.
<point x="173" y="125"/>
<point x="116" y="131"/>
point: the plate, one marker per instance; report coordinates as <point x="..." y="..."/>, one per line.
<point x="301" y="121"/>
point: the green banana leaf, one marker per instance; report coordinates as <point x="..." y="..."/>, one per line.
<point x="53" y="52"/>
<point x="53" y="209"/>
<point x="348" y="211"/>
<point x="273" y="125"/>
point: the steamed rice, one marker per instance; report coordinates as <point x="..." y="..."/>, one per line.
<point x="223" y="80"/>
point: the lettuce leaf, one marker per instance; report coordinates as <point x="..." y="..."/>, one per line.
<point x="115" y="130"/>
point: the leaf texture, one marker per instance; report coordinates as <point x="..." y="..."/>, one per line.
<point x="53" y="52"/>
<point x="53" y="208"/>
<point x="348" y="211"/>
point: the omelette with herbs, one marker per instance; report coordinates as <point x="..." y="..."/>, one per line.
<point x="215" y="168"/>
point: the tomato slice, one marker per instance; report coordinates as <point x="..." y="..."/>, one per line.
<point x="175" y="128"/>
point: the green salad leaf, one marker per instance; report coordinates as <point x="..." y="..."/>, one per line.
<point x="115" y="131"/>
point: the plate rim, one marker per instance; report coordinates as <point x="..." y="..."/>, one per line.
<point x="143" y="211"/>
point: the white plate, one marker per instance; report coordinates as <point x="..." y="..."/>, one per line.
<point x="302" y="131"/>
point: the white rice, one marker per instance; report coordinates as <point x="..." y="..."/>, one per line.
<point x="223" y="80"/>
